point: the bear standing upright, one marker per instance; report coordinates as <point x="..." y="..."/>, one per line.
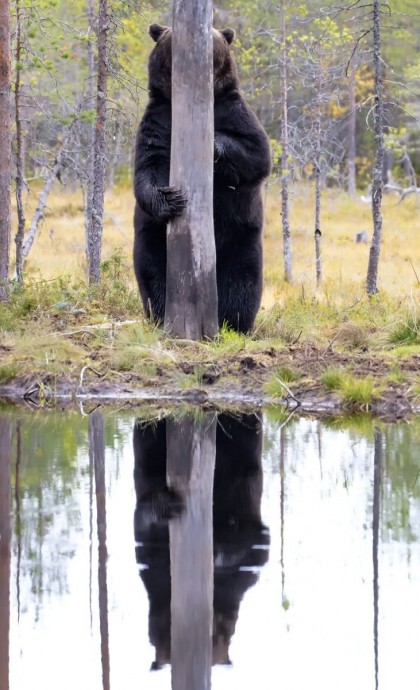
<point x="241" y="164"/>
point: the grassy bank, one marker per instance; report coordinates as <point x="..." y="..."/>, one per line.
<point x="330" y="341"/>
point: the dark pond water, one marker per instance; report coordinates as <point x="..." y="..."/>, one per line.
<point x="140" y="552"/>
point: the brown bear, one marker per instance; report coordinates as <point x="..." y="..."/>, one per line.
<point x="241" y="164"/>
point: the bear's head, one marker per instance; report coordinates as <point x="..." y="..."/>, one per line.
<point x="225" y="74"/>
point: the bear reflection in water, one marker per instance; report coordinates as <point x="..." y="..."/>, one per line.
<point x="240" y="539"/>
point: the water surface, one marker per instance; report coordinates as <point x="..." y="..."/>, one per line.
<point x="238" y="549"/>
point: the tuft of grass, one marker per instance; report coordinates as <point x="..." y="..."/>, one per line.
<point x="8" y="372"/>
<point x="407" y="332"/>
<point x="397" y="375"/>
<point x="352" y="389"/>
<point x="282" y="375"/>
<point x="353" y="335"/>
<point x="359" y="391"/>
<point x="333" y="378"/>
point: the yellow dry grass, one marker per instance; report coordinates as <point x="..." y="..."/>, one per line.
<point x="59" y="246"/>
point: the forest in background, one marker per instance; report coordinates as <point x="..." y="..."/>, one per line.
<point x="57" y="324"/>
<point x="329" y="61"/>
<point x="326" y="52"/>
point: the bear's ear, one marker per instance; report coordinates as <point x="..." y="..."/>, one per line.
<point x="229" y="35"/>
<point x="156" y="31"/>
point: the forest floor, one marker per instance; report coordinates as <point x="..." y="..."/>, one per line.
<point x="323" y="349"/>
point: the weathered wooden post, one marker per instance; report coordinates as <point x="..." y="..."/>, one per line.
<point x="191" y="456"/>
<point x="191" y="290"/>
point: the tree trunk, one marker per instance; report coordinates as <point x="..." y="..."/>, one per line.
<point x="116" y="154"/>
<point x="5" y="547"/>
<point x="377" y="477"/>
<point x="20" y="159"/>
<point x="90" y="163"/>
<point x="317" y="234"/>
<point x="97" y="447"/>
<point x="287" y="248"/>
<point x="351" y="136"/>
<point x="191" y="289"/>
<point x="95" y="239"/>
<point x="42" y="201"/>
<point x="377" y="181"/>
<point x="191" y="455"/>
<point x="5" y="147"/>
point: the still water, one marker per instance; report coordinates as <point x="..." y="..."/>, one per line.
<point x="139" y="551"/>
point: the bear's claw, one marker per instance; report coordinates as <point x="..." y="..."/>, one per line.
<point x="170" y="202"/>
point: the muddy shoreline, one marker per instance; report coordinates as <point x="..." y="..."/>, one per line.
<point x="45" y="391"/>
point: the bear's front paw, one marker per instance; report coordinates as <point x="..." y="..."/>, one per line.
<point x="170" y="202"/>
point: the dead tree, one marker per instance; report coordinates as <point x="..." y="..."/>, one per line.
<point x="5" y="147"/>
<point x="20" y="155"/>
<point x="191" y="290"/>
<point x="377" y="179"/>
<point x="25" y="244"/>
<point x="96" y="230"/>
<point x="90" y="163"/>
<point x="285" y="174"/>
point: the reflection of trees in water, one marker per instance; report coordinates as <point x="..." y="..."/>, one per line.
<point x="240" y="540"/>
<point x="50" y="464"/>
<point x="401" y="482"/>
<point x="5" y="538"/>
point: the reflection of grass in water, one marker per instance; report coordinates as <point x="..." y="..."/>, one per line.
<point x="361" y="423"/>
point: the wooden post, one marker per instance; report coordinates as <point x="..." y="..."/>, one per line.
<point x="191" y="290"/>
<point x="191" y="456"/>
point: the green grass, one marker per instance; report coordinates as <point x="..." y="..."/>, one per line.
<point x="353" y="390"/>
<point x="8" y="372"/>
<point x="407" y="332"/>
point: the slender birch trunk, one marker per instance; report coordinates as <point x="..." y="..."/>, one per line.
<point x="5" y="147"/>
<point x="191" y="290"/>
<point x="116" y="155"/>
<point x="351" y="136"/>
<point x="287" y="247"/>
<point x="42" y="201"/>
<point x="20" y="155"/>
<point x="90" y="164"/>
<point x="377" y="181"/>
<point x="317" y="233"/>
<point x="95" y="239"/>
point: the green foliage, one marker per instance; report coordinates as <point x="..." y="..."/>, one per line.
<point x="356" y="391"/>
<point x="407" y="332"/>
<point x="284" y="375"/>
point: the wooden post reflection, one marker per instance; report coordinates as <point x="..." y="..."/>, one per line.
<point x="377" y="478"/>
<point x="191" y="453"/>
<point x="5" y="548"/>
<point x="97" y="446"/>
